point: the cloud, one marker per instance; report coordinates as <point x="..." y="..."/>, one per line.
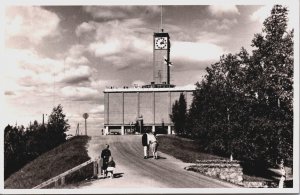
<point x="36" y="80"/>
<point x="97" y="110"/>
<point x="99" y="83"/>
<point x="212" y="37"/>
<point x="106" y="48"/>
<point x="75" y="55"/>
<point x="85" y="27"/>
<point x="120" y="43"/>
<point x="196" y="51"/>
<point x="77" y="50"/>
<point x="226" y="24"/>
<point x="265" y="11"/>
<point x="222" y="10"/>
<point x="219" y="24"/>
<point x="76" y="75"/>
<point x="8" y="93"/>
<point x="30" y="22"/>
<point x="79" y="93"/>
<point x="261" y="14"/>
<point x="76" y="60"/>
<point x="121" y="12"/>
<point x="27" y="68"/>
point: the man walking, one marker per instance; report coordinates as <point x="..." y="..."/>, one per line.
<point x="145" y="144"/>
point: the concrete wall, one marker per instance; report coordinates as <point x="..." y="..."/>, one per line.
<point x="122" y="108"/>
<point x="162" y="106"/>
<point x="146" y="106"/>
<point x="160" y="68"/>
<point x="130" y="107"/>
<point x="115" y="108"/>
<point x="226" y="170"/>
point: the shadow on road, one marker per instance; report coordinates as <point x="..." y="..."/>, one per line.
<point x="118" y="175"/>
<point x="158" y="157"/>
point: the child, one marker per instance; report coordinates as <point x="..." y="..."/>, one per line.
<point x="111" y="165"/>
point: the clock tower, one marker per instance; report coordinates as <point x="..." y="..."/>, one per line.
<point x="161" y="58"/>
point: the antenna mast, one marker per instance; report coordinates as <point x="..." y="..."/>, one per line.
<point x="161" y="16"/>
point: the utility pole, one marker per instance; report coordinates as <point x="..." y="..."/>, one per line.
<point x="77" y="130"/>
<point x="44" y="119"/>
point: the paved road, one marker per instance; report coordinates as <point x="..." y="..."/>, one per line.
<point x="133" y="171"/>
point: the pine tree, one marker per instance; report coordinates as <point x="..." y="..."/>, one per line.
<point x="179" y="115"/>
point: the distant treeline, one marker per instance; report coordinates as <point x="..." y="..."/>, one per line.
<point x="22" y="145"/>
<point x="244" y="105"/>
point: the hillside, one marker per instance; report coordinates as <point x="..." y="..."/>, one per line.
<point x="58" y="160"/>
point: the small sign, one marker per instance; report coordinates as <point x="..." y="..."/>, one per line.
<point x="85" y="115"/>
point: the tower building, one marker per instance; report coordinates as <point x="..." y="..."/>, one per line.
<point x="161" y="57"/>
<point x="149" y="106"/>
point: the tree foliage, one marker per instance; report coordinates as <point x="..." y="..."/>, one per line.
<point x="23" y="145"/>
<point x="57" y="126"/>
<point x="244" y="105"/>
<point x="179" y="115"/>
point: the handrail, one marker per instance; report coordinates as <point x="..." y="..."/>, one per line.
<point x="62" y="175"/>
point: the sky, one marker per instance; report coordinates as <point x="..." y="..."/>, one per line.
<point x="69" y="54"/>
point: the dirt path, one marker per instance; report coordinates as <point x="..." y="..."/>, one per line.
<point x="133" y="171"/>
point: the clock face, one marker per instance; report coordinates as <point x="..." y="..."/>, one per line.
<point x="161" y="43"/>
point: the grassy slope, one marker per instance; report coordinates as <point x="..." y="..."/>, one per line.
<point x="184" y="149"/>
<point x="50" y="164"/>
<point x="189" y="151"/>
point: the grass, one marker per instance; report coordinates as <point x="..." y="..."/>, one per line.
<point x="189" y="151"/>
<point x="52" y="163"/>
<point x="184" y="149"/>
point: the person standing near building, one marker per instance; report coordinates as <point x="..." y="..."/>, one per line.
<point x="105" y="154"/>
<point x="145" y="144"/>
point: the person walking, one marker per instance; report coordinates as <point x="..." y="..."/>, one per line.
<point x="105" y="154"/>
<point x="145" y="144"/>
<point x="153" y="144"/>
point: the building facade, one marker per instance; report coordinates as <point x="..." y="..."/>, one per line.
<point x="149" y="106"/>
<point x="153" y="106"/>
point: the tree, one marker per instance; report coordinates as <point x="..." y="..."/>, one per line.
<point x="273" y="85"/>
<point x="179" y="115"/>
<point x="218" y="104"/>
<point x="57" y="126"/>
<point x="273" y="60"/>
<point x="244" y="105"/>
<point x="21" y="146"/>
<point x="14" y="151"/>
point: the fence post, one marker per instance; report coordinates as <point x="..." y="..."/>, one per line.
<point x="56" y="183"/>
<point x="99" y="166"/>
<point x="283" y="174"/>
<point x="63" y="181"/>
<point x="95" y="168"/>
